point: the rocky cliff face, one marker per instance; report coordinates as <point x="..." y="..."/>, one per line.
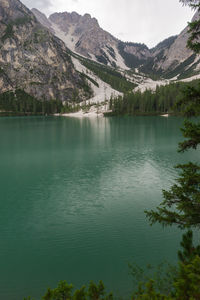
<point x="32" y="58"/>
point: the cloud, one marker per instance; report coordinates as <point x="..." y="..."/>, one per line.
<point x="121" y="33"/>
<point x="43" y="5"/>
<point x="143" y="21"/>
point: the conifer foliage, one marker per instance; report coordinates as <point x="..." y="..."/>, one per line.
<point x="181" y="205"/>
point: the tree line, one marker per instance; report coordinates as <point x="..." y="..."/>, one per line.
<point x="109" y="75"/>
<point x="19" y="102"/>
<point x="162" y="100"/>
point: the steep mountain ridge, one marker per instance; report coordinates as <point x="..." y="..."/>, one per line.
<point x="83" y="35"/>
<point x="33" y="59"/>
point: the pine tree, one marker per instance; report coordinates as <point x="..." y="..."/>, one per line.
<point x="189" y="251"/>
<point x="181" y="205"/>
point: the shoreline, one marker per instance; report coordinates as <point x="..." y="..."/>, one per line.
<point x="81" y="114"/>
<point x="165" y="115"/>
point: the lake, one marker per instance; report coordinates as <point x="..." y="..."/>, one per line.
<point x="73" y="195"/>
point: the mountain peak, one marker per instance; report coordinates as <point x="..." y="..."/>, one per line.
<point x="81" y="33"/>
<point x="87" y="16"/>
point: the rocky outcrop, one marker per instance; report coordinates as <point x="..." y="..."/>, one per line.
<point x="32" y="58"/>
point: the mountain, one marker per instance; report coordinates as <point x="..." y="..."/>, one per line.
<point x="69" y="57"/>
<point x="33" y="59"/>
<point x="83" y="35"/>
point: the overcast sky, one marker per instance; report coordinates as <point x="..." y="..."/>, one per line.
<point x="142" y="21"/>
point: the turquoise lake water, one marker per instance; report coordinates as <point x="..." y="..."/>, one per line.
<point x="73" y="195"/>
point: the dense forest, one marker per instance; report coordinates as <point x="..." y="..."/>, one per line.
<point x="161" y="101"/>
<point x="20" y="103"/>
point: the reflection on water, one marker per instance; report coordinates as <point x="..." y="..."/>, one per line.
<point x="73" y="194"/>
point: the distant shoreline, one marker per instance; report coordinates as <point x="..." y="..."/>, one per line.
<point x="81" y="114"/>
